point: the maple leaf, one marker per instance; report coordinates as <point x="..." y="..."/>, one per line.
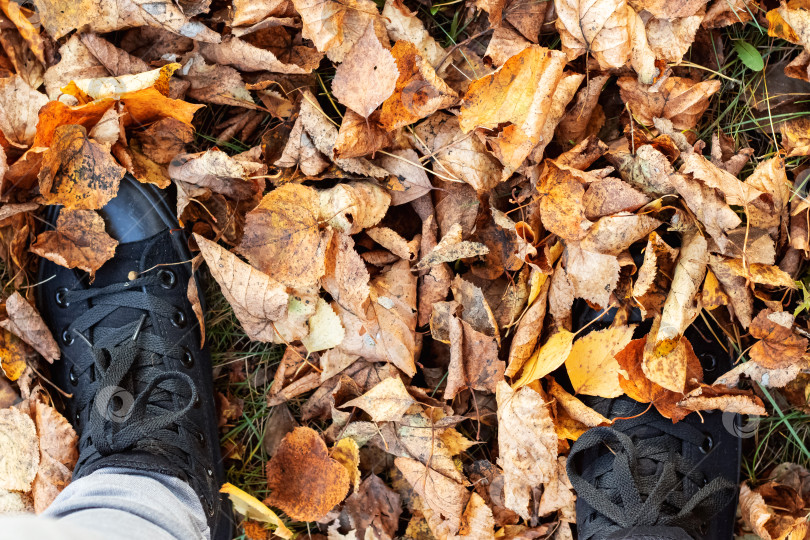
<point x="79" y="241"/>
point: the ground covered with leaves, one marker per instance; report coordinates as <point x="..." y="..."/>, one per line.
<point x="403" y="209"/>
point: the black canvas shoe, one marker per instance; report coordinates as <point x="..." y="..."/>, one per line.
<point x="645" y="478"/>
<point x="141" y="386"/>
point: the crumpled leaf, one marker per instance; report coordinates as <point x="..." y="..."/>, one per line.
<point x="79" y="241"/>
<point x="25" y="322"/>
<point x="519" y="97"/>
<point x="19" y="109"/>
<point x="474" y="360"/>
<point x="591" y="365"/>
<point x="680" y="100"/>
<point x="58" y="447"/>
<point x="367" y="76"/>
<point x="20" y="449"/>
<point x="354" y="206"/>
<point x="601" y="28"/>
<point x="252" y="508"/>
<point x="360" y="137"/>
<point x="451" y="248"/>
<point x="87" y="90"/>
<point x="445" y="498"/>
<point x="791" y="22"/>
<point x="386" y="402"/>
<point x="248" y="57"/>
<point x="706" y="398"/>
<point x="651" y="288"/>
<point x="215" y="170"/>
<point x="527" y="445"/>
<point x="419" y="91"/>
<point x="78" y="173"/>
<point x="411" y="179"/>
<point x="458" y="157"/>
<point x="305" y="482"/>
<point x="60" y="18"/>
<point x="778" y="347"/>
<point x="257" y="299"/>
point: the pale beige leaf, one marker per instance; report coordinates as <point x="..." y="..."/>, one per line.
<point x="325" y="330"/>
<point x="451" y="248"/>
<point x="527" y="445"/>
<point x="19" y="109"/>
<point x="600" y="28"/>
<point x="444" y="497"/>
<point x="367" y="76"/>
<point x="20" y="450"/>
<point x="386" y="402"/>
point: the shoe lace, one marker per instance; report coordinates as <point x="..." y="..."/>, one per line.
<point x="643" y="478"/>
<point x="133" y="356"/>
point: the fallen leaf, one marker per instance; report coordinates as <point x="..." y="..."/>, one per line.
<point x="680" y="100"/>
<point x="778" y="346"/>
<point x="14" y="356"/>
<point x="79" y="241"/>
<point x="527" y="445"/>
<point x="347" y="453"/>
<point x="418" y="92"/>
<point x="547" y="358"/>
<point x="403" y="25"/>
<point x="374" y="507"/>
<point x="591" y="365"/>
<point x="282" y="237"/>
<point x="325" y="330"/>
<point x="444" y="498"/>
<point x="386" y="402"/>
<point x="506" y="99"/>
<point x="452" y="248"/>
<point x="601" y="29"/>
<point x="474" y="360"/>
<point x="20" y="450"/>
<point x="609" y="196"/>
<point x="477" y="522"/>
<point x="59" y="18"/>
<point x="19" y="109"/>
<point x="706" y="398"/>
<point x="346" y="278"/>
<point x="215" y="170"/>
<point x="360" y="137"/>
<point x="164" y="139"/>
<point x="252" y="508"/>
<point x="78" y="173"/>
<point x="354" y="206"/>
<point x="25" y="322"/>
<point x="305" y="482"/>
<point x="58" y="447"/>
<point x="257" y="300"/>
<point x="87" y="90"/>
<point x="709" y="207"/>
<point x="652" y="285"/>
<point x="367" y="76"/>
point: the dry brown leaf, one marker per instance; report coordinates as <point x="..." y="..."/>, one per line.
<point x="668" y="38"/>
<point x="374" y="507"/>
<point x="248" y="12"/>
<point x="445" y="498"/>
<point x="346" y="278"/>
<point x="386" y="402"/>
<point x="384" y="331"/>
<point x="354" y="206"/>
<point x="458" y="157"/>
<point x="516" y="100"/>
<point x="592" y="276"/>
<point x="791" y="22"/>
<point x="527" y="445"/>
<point x="215" y="170"/>
<point x="735" y="287"/>
<point x="528" y="331"/>
<point x="360" y="137"/>
<point x="78" y="173"/>
<point x="367" y="76"/>
<point x="25" y="322"/>
<point x="306" y="483"/>
<point x="393" y="242"/>
<point x="404" y="25"/>
<point x="58" y="447"/>
<point x="724" y="13"/>
<point x="115" y="60"/>
<point x="612" y="235"/>
<point x="79" y="241"/>
<point x="418" y="92"/>
<point x="257" y="299"/>
<point x="20" y="449"/>
<point x="324" y="136"/>
<point x="680" y="100"/>
<point x="591" y="365"/>
<point x="215" y="83"/>
<point x="59" y="18"/>
<point x="562" y="207"/>
<point x="601" y="28"/>
<point x="282" y="237"/>
<point x="763" y="274"/>
<point x="709" y="206"/>
<point x="719" y="397"/>
<point x="778" y="347"/>
<point x="735" y="192"/>
<point x="505" y="44"/>
<point x="299" y="151"/>
<point x="411" y="179"/>
<point x="655" y="275"/>
<point x="451" y="248"/>
<point x="474" y="360"/>
<point x="796" y="137"/>
<point x="19" y="109"/>
<point x="609" y="196"/>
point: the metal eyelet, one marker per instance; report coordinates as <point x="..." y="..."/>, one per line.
<point x="179" y="319"/>
<point x="707" y="444"/>
<point x="188" y="359"/>
<point x="74" y="380"/>
<point x="709" y="361"/>
<point x="209" y="471"/>
<point x="67" y="337"/>
<point x="167" y="278"/>
<point x="59" y="296"/>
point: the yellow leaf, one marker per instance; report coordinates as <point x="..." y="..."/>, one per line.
<point x="547" y="358"/>
<point x="252" y="508"/>
<point x="86" y="90"/>
<point x="591" y="365"/>
<point x="347" y="453"/>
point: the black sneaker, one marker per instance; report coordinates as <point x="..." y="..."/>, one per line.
<point x="645" y="478"/>
<point x="141" y="386"/>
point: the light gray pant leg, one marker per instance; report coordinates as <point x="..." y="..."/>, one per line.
<point x="116" y="504"/>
